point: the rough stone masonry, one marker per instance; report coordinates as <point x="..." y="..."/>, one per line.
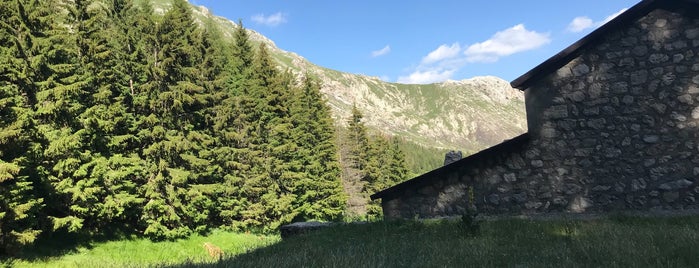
<point x="616" y="128"/>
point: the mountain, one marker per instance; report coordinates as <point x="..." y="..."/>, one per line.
<point x="467" y="115"/>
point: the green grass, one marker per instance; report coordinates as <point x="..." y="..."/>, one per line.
<point x="615" y="242"/>
<point x="621" y="242"/>
<point x="139" y="252"/>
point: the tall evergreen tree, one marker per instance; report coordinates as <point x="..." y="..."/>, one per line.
<point x="61" y="88"/>
<point x="378" y="160"/>
<point x="233" y="117"/>
<point x="102" y="185"/>
<point x="357" y="139"/>
<point x="268" y="185"/>
<point x="397" y="165"/>
<point x="173" y="130"/>
<point x="20" y="205"/>
<point x="319" y="188"/>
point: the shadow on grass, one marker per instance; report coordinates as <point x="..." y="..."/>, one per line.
<point x="57" y="244"/>
<point x="615" y="242"/>
<point x="346" y="240"/>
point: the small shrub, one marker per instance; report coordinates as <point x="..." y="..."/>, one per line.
<point x="569" y="228"/>
<point x="470" y="225"/>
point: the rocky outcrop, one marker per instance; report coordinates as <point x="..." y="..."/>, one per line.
<point x="470" y="114"/>
<point x="299" y="228"/>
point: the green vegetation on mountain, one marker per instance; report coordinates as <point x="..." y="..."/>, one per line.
<point x="467" y="115"/>
<point x="371" y="164"/>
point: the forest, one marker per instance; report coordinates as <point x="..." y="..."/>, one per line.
<point x="117" y="118"/>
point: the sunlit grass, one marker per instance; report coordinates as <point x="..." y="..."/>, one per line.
<point x="141" y="252"/>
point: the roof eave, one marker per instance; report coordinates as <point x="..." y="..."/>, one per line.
<point x="424" y="178"/>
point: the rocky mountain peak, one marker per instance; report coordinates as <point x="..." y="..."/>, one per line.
<point x="468" y="115"/>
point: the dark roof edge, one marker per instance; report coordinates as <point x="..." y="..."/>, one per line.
<point x="458" y="164"/>
<point x="567" y="54"/>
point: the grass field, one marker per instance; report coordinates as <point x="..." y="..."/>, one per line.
<point x="615" y="242"/>
<point x="138" y="252"/>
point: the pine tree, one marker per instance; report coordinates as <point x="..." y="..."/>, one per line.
<point x="268" y="185"/>
<point x="357" y="139"/>
<point x="173" y="129"/>
<point x="319" y="188"/>
<point x="95" y="183"/>
<point x="378" y="161"/>
<point x="376" y="173"/>
<point x="354" y="148"/>
<point x="397" y="165"/>
<point x="19" y="206"/>
<point x="59" y="89"/>
<point x="232" y="120"/>
<point x="385" y="168"/>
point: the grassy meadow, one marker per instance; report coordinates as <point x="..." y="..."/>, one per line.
<point x="614" y="242"/>
<point x="136" y="252"/>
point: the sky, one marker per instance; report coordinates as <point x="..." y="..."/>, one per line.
<point x="418" y="42"/>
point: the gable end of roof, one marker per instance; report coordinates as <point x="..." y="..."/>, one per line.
<point x="566" y="55"/>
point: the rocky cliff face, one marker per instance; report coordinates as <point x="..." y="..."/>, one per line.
<point x="467" y="115"/>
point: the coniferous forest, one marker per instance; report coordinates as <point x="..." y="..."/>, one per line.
<point x="114" y="117"/>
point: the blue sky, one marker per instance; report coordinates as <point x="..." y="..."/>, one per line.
<point x="422" y="41"/>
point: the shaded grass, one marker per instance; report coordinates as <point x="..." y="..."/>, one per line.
<point x="140" y="252"/>
<point x="631" y="242"/>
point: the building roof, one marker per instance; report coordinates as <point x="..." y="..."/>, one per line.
<point x="566" y="55"/>
<point x="506" y="146"/>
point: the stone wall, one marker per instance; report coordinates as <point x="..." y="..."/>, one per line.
<point x="615" y="129"/>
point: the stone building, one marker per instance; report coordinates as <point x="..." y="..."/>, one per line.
<point x="613" y="125"/>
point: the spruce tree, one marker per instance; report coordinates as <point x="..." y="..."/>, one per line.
<point x="60" y="93"/>
<point x="268" y="185"/>
<point x="357" y="139"/>
<point x="376" y="173"/>
<point x="354" y="149"/>
<point x="232" y="121"/>
<point x="101" y="187"/>
<point x="385" y="168"/>
<point x="378" y="160"/>
<point x="20" y="206"/>
<point x="173" y="130"/>
<point x="319" y="188"/>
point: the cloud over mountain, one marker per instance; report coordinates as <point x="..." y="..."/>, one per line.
<point x="441" y="53"/>
<point x="507" y="42"/>
<point x="377" y="53"/>
<point x="272" y="20"/>
<point x="443" y="62"/>
<point x="581" y="23"/>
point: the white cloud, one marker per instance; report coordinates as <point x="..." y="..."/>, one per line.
<point x="426" y="77"/>
<point x="443" y="62"/>
<point x="385" y="50"/>
<point x="441" y="53"/>
<point x="271" y="20"/>
<point x="582" y="23"/>
<point x="504" y="43"/>
<point x="579" y="24"/>
<point x="439" y="65"/>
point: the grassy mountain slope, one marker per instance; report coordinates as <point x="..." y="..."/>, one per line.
<point x="467" y="115"/>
